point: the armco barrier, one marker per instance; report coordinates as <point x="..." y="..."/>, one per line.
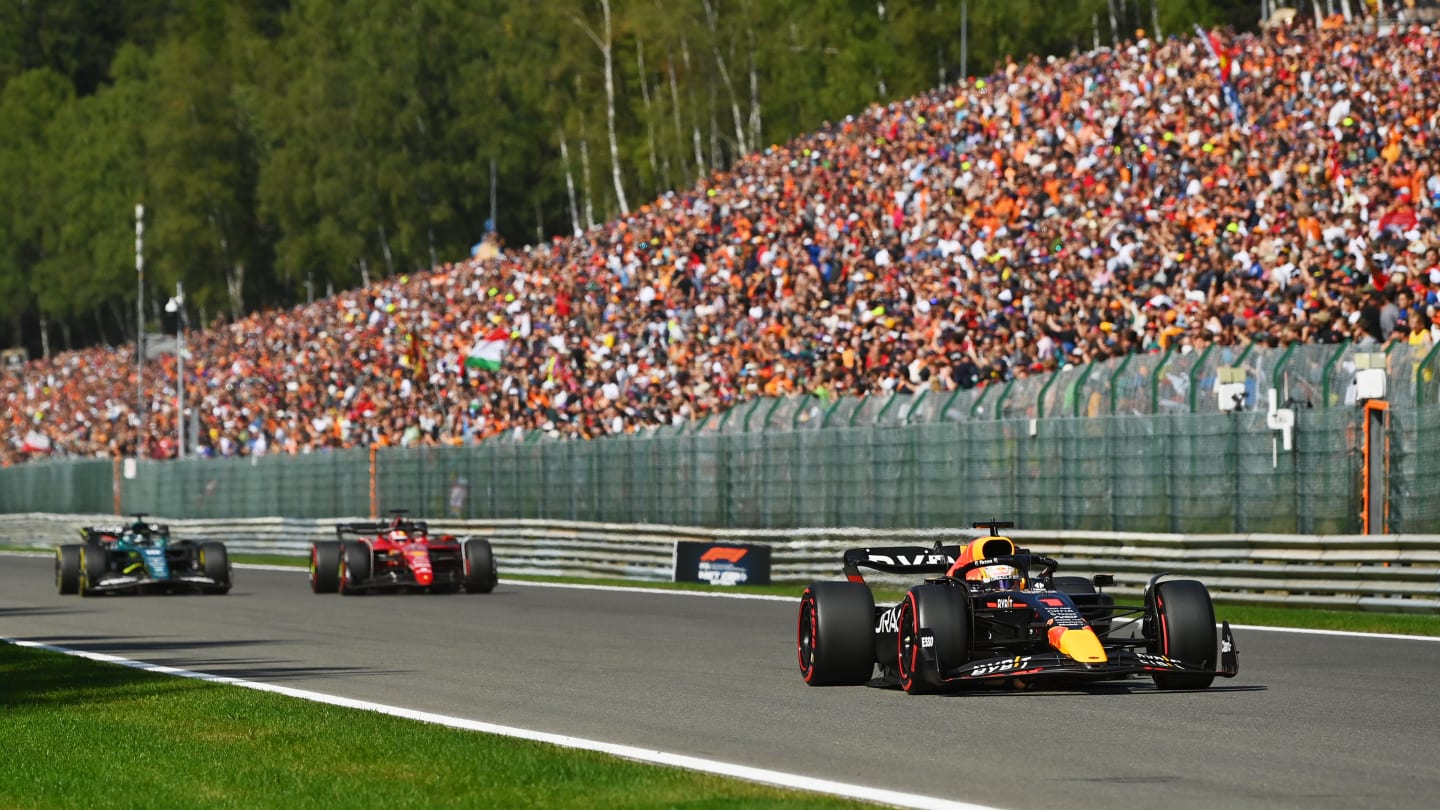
<point x="1372" y="572"/>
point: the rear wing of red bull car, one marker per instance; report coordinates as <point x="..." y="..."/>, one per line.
<point x="900" y="560"/>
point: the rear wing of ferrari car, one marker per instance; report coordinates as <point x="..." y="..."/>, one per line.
<point x="899" y="560"/>
<point x="380" y="526"/>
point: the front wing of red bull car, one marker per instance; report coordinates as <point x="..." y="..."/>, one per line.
<point x="954" y="631"/>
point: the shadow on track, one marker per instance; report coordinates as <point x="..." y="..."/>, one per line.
<point x="171" y="653"/>
<point x="35" y="611"/>
<point x="1138" y="687"/>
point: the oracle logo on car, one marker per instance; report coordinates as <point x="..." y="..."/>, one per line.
<point x="722" y="563"/>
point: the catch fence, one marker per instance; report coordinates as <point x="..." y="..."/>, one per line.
<point x="1133" y="444"/>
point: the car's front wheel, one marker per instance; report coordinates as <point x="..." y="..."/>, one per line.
<point x="481" y="572"/>
<point x="944" y="611"/>
<point x="67" y="569"/>
<point x="94" y="565"/>
<point x="1182" y="627"/>
<point x="215" y="564"/>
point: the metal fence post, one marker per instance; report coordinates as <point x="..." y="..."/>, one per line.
<point x="1155" y="382"/>
<point x="1191" y="384"/>
<point x="976" y="407"/>
<point x="910" y="412"/>
<point x="1000" y="401"/>
<point x="1325" y="373"/>
<point x="1045" y="389"/>
<point x="1277" y="371"/>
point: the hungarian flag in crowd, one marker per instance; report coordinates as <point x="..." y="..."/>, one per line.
<point x="489" y="351"/>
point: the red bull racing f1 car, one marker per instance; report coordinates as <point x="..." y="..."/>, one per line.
<point x="994" y="613"/>
<point x="400" y="554"/>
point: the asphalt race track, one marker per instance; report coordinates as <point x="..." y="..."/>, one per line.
<point x="1312" y="721"/>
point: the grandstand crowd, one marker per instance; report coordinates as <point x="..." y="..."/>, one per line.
<point x="1057" y="211"/>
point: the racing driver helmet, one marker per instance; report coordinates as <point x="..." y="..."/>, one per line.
<point x="996" y="578"/>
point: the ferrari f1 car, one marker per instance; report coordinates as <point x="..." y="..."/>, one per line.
<point x="994" y="613"/>
<point x="400" y="554"/>
<point x="140" y="557"/>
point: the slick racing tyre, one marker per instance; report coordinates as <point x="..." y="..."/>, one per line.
<point x="67" y="569"/>
<point x="836" y="634"/>
<point x="325" y="566"/>
<point x="1183" y="628"/>
<point x="945" y="611"/>
<point x="355" y="567"/>
<point x="215" y="564"/>
<point x="1097" y="608"/>
<point x="94" y="565"/>
<point x="481" y="573"/>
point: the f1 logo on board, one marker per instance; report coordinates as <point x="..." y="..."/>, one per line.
<point x="726" y="553"/>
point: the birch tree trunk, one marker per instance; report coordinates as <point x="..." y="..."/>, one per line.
<point x="569" y="182"/>
<point x="694" y="111"/>
<point x="235" y="289"/>
<point x="715" y="159"/>
<point x="607" y="51"/>
<point x="585" y="178"/>
<point x="675" y="113"/>
<point x="710" y="22"/>
<point x="756" y="130"/>
<point x="385" y="248"/>
<point x="656" y="182"/>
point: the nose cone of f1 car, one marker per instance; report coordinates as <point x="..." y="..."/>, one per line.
<point x="425" y="576"/>
<point x="1078" y="643"/>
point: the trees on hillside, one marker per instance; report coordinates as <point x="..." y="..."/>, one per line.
<point x="281" y="146"/>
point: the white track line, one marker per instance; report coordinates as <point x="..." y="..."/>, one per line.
<point x="649" y="755"/>
<point x="1350" y="633"/>
<point x="795" y="599"/>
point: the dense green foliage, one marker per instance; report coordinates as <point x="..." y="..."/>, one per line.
<point x="285" y="147"/>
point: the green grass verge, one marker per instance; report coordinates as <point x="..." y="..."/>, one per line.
<point x="1357" y="621"/>
<point x="78" y="733"/>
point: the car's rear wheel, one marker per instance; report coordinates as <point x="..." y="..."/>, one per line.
<point x="94" y="565"/>
<point x="67" y="569"/>
<point x="355" y="567"/>
<point x="944" y="610"/>
<point x="1182" y="627"/>
<point x="481" y="572"/>
<point x="325" y="566"/>
<point x="1096" y="607"/>
<point x="836" y="634"/>
<point x="214" y="562"/>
